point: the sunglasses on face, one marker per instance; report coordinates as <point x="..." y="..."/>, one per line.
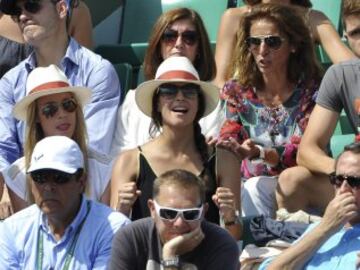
<point x="44" y="176"/>
<point x="188" y="37"/>
<point x="273" y="42"/>
<point x="170" y="91"/>
<point x="31" y="6"/>
<point x="50" y="109"/>
<point x="171" y="214"/>
<point x="337" y="180"/>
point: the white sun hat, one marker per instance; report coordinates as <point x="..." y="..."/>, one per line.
<point x="175" y="69"/>
<point x="57" y="153"/>
<point x="44" y="81"/>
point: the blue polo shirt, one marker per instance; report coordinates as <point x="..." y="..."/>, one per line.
<point x="20" y="244"/>
<point x="337" y="253"/>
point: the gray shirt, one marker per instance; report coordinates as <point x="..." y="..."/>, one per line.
<point x="137" y="246"/>
<point x="340" y="88"/>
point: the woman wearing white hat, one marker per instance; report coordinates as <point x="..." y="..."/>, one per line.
<point x="175" y="101"/>
<point x="53" y="107"/>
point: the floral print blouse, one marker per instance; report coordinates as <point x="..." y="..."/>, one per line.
<point x="279" y="127"/>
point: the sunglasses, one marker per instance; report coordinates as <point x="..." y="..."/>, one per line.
<point x="31" y="6"/>
<point x="188" y="37"/>
<point x="273" y="42"/>
<point x="50" y="109"/>
<point x="337" y="180"/>
<point x="43" y="176"/>
<point x="171" y="214"/>
<point x="170" y="91"/>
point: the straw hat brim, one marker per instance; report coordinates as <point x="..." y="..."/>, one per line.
<point x="145" y="91"/>
<point x="82" y="95"/>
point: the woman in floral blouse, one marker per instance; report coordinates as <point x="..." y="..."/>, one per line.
<point x="269" y="100"/>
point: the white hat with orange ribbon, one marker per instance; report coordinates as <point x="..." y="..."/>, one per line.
<point x="44" y="81"/>
<point x="173" y="70"/>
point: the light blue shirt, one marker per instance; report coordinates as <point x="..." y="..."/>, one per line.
<point x="19" y="238"/>
<point x="82" y="68"/>
<point x="337" y="253"/>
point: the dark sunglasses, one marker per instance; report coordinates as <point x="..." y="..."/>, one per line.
<point x="171" y="214"/>
<point x="337" y="180"/>
<point x="189" y="37"/>
<point x="273" y="42"/>
<point x="170" y="91"/>
<point x="44" y="176"/>
<point x="50" y="109"/>
<point x="31" y="6"/>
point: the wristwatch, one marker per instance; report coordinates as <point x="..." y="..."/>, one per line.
<point x="173" y="262"/>
<point x="237" y="220"/>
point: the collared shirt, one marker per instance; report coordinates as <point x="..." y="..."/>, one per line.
<point x="82" y="68"/>
<point x="337" y="253"/>
<point x="19" y="238"/>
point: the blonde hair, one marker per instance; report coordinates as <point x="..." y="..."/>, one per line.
<point x="34" y="133"/>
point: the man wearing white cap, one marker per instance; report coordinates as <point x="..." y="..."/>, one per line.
<point x="43" y="25"/>
<point x="63" y="230"/>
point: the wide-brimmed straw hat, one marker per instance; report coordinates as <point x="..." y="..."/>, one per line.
<point x="172" y="70"/>
<point x="44" y="81"/>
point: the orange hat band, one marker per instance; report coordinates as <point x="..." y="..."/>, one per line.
<point x="177" y="74"/>
<point x="49" y="86"/>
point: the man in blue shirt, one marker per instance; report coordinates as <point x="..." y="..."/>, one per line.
<point x="62" y="230"/>
<point x="334" y="242"/>
<point x="43" y="25"/>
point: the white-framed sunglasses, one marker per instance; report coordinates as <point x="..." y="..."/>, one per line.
<point x="171" y="214"/>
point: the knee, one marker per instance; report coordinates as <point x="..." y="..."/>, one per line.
<point x="294" y="178"/>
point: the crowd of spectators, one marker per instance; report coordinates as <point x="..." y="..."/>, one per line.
<point x="209" y="140"/>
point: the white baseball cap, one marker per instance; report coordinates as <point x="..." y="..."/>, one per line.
<point x="58" y="153"/>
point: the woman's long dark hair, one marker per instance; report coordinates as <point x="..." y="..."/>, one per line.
<point x="199" y="138"/>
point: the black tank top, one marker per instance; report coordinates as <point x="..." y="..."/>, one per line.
<point x="145" y="184"/>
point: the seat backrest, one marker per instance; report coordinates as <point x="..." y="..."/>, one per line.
<point x="124" y="72"/>
<point x="123" y="53"/>
<point x="209" y="10"/>
<point x="100" y="10"/>
<point x="138" y="19"/>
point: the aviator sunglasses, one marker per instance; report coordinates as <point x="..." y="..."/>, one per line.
<point x="171" y="214"/>
<point x="50" y="109"/>
<point x="189" y="37"/>
<point x="337" y="180"/>
<point x="31" y="6"/>
<point x="273" y="42"/>
<point x="170" y="91"/>
<point x="43" y="176"/>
